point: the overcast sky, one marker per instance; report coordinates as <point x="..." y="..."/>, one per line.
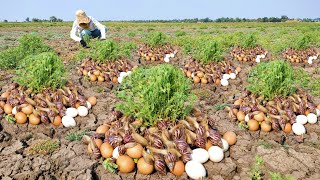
<point x="19" y="10"/>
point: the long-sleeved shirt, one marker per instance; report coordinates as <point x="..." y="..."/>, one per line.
<point x="92" y="26"/>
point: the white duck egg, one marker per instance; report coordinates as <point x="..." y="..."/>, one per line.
<point x="257" y="60"/>
<point x="82" y="111"/>
<point x="262" y="56"/>
<point x="115" y="153"/>
<point x="166" y="59"/>
<point x="246" y="118"/>
<point x="312" y="118"/>
<point x="225" y="145"/>
<point x="89" y="105"/>
<point x="298" y="129"/>
<point x="301" y="119"/>
<point x="14" y="110"/>
<point x="233" y="75"/>
<point x="226" y="76"/>
<point x="215" y="154"/>
<point x="72" y="112"/>
<point x="200" y="155"/>
<point x="120" y="79"/>
<point x="224" y="82"/>
<point x="195" y="170"/>
<point x="68" y="121"/>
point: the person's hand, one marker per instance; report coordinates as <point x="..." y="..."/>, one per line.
<point x="83" y="44"/>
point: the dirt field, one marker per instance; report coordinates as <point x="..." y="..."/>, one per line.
<point x="281" y="153"/>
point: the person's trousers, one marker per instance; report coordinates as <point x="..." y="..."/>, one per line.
<point x="92" y="34"/>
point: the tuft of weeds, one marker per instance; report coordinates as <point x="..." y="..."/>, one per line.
<point x="41" y="71"/>
<point x="266" y="145"/>
<point x="243" y="126"/>
<point x="131" y="34"/>
<point x="109" y="165"/>
<point x="76" y="136"/>
<point x="44" y="147"/>
<point x="256" y="168"/>
<point x="156" y="39"/>
<point x="208" y="51"/>
<point x="29" y="44"/>
<point x="180" y="33"/>
<point x="249" y="41"/>
<point x="155" y="93"/>
<point x="270" y="79"/>
<point x="279" y="176"/>
<point x="219" y="107"/>
<point x="10" y="118"/>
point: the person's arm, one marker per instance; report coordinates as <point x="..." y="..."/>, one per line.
<point x="73" y="32"/>
<point x="101" y="27"/>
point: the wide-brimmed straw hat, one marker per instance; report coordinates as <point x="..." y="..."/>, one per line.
<point x="82" y="17"/>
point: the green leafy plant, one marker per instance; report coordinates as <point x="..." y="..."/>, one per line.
<point x="219" y="107"/>
<point x="131" y="34"/>
<point x="270" y="79"/>
<point x="155" y="93"/>
<point x="156" y="39"/>
<point x="76" y="136"/>
<point x="41" y="71"/>
<point x="10" y="118"/>
<point x="243" y="126"/>
<point x="249" y="41"/>
<point x="109" y="165"/>
<point x="9" y="58"/>
<point x="207" y="51"/>
<point x="180" y="33"/>
<point x="279" y="176"/>
<point x="256" y="168"/>
<point x="107" y="50"/>
<point x="301" y="42"/>
<point x="127" y="48"/>
<point x="44" y="147"/>
<point x="29" y="44"/>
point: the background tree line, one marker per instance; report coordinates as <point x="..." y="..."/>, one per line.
<point x="195" y="20"/>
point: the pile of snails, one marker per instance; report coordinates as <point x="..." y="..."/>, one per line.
<point x="301" y="56"/>
<point x="279" y="114"/>
<point x="110" y="71"/>
<point x="168" y="146"/>
<point x="60" y="106"/>
<point x="247" y="55"/>
<point x="162" y="54"/>
<point x="215" y="72"/>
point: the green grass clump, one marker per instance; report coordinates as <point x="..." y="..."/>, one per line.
<point x="41" y="71"/>
<point x="270" y="79"/>
<point x="256" y="168"/>
<point x="108" y="50"/>
<point x="155" y="93"/>
<point x="180" y="33"/>
<point x="44" y="147"/>
<point x="76" y="136"/>
<point x="105" y="51"/>
<point x="208" y="51"/>
<point x="9" y="58"/>
<point x="131" y="34"/>
<point x="127" y="48"/>
<point x="301" y="42"/>
<point x="29" y="44"/>
<point x="156" y="39"/>
<point x="249" y="41"/>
